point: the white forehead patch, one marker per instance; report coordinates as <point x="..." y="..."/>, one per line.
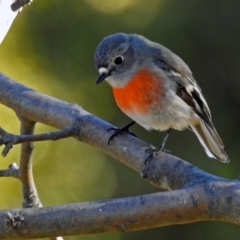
<point x="102" y="70"/>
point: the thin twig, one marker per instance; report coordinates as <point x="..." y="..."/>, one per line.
<point x="9" y="139"/>
<point x="12" y="171"/>
<point x="17" y="4"/>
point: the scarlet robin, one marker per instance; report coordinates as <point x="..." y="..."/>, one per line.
<point x="155" y="88"/>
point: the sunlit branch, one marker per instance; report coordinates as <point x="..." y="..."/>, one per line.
<point x="9" y="139"/>
<point x="196" y="194"/>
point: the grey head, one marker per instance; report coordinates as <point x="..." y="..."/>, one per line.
<point x="116" y="58"/>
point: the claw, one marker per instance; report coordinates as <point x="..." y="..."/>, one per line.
<point x="153" y="151"/>
<point x="118" y="131"/>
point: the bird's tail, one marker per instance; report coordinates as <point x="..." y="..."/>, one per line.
<point x="210" y="141"/>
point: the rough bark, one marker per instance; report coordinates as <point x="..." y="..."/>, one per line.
<point x="195" y="196"/>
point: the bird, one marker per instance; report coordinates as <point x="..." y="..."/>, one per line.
<point x="156" y="89"/>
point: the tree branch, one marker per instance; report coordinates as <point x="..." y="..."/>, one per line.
<point x="12" y="171"/>
<point x="8" y="12"/>
<point x="18" y="4"/>
<point x="30" y="195"/>
<point x="9" y="139"/>
<point x="207" y="201"/>
<point x="200" y="196"/>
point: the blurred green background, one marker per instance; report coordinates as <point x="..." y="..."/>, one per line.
<point x="50" y="48"/>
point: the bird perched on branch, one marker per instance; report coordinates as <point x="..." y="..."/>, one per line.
<point x="155" y="88"/>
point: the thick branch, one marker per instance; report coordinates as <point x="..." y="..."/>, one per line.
<point x="200" y="196"/>
<point x="37" y="107"/>
<point x="30" y="195"/>
<point x="128" y="214"/>
<point x="169" y="171"/>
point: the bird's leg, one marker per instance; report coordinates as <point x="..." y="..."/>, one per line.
<point x="118" y="131"/>
<point x="160" y="148"/>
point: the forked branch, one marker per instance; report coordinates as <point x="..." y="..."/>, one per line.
<point x="195" y="196"/>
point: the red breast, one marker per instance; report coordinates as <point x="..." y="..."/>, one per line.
<point x="141" y="93"/>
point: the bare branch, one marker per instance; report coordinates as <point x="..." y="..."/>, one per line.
<point x="8" y="12"/>
<point x="9" y="139"/>
<point x="30" y="195"/>
<point x="14" y="221"/>
<point x="19" y="4"/>
<point x="25" y="173"/>
<point x="207" y="201"/>
<point x="127" y="149"/>
<point x="200" y="196"/>
<point x="12" y="171"/>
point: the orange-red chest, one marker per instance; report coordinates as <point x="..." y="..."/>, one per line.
<point x="141" y="94"/>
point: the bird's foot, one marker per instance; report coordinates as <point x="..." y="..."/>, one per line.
<point x="122" y="130"/>
<point x="152" y="151"/>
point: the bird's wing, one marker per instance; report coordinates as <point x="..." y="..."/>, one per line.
<point x="188" y="90"/>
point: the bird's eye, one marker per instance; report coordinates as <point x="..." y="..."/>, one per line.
<point x="118" y="60"/>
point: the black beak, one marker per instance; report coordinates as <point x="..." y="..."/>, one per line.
<point x="102" y="77"/>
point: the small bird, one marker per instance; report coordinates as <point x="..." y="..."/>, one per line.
<point x="155" y="88"/>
